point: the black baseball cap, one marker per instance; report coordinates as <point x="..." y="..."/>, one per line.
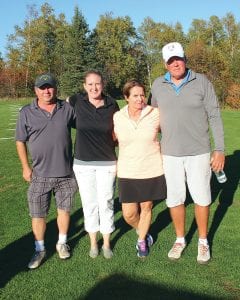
<point x="46" y="78"/>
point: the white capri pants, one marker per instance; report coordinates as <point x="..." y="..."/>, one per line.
<point x="96" y="182"/>
<point x="196" y="171"/>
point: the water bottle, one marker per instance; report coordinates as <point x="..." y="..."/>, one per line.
<point x="221" y="176"/>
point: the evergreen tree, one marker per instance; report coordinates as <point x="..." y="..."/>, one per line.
<point x="76" y="55"/>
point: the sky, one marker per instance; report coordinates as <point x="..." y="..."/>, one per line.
<point x="14" y="12"/>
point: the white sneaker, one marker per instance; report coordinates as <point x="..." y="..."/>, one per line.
<point x="176" y="251"/>
<point x="203" y="254"/>
<point x="107" y="253"/>
<point x="93" y="252"/>
<point x="63" y="251"/>
<point x="37" y="259"/>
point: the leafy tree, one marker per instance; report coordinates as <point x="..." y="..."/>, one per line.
<point x="114" y="51"/>
<point x="234" y="65"/>
<point x="153" y="37"/>
<point x="231" y="46"/>
<point x="3" y="78"/>
<point x="150" y="41"/>
<point x="215" y="31"/>
<point x="233" y="98"/>
<point x="35" y="42"/>
<point x="46" y="42"/>
<point x="211" y="32"/>
<point x="1" y="62"/>
<point x="198" y="31"/>
<point x="232" y="30"/>
<point x="20" y="47"/>
<point x="211" y="62"/>
<point x="14" y="73"/>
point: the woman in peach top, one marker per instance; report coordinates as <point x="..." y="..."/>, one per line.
<point x="139" y="168"/>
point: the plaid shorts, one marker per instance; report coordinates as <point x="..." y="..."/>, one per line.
<point x="41" y="189"/>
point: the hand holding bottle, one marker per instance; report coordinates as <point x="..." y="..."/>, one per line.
<point x="221" y="176"/>
<point x="217" y="164"/>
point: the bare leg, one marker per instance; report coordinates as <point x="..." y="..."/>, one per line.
<point x="131" y="214"/>
<point x="63" y="221"/>
<point x="93" y="240"/>
<point x="145" y="219"/>
<point x="106" y="241"/>
<point x="107" y="252"/>
<point x="201" y="215"/>
<point x="178" y="218"/>
<point x="39" y="228"/>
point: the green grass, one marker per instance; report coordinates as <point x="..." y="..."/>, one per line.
<point x="125" y="276"/>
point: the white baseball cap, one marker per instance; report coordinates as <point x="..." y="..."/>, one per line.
<point x="172" y="49"/>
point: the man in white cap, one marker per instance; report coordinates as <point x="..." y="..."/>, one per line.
<point x="188" y="106"/>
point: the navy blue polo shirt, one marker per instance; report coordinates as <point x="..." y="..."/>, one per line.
<point x="49" y="138"/>
<point x="94" y="129"/>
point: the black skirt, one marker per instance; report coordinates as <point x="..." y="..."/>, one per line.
<point x="140" y="190"/>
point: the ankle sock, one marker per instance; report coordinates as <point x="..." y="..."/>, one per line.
<point x="62" y="238"/>
<point x="203" y="242"/>
<point x="181" y="240"/>
<point x="39" y="246"/>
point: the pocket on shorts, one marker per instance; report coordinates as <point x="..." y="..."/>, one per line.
<point x="33" y="179"/>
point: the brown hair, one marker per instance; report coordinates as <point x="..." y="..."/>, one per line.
<point x="129" y="85"/>
<point x="95" y="72"/>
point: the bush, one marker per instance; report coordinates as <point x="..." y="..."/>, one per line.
<point x="233" y="98"/>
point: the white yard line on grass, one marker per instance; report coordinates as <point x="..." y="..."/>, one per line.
<point x="14" y="107"/>
<point x="7" y="138"/>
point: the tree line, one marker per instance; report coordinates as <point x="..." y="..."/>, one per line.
<point x="47" y="42"/>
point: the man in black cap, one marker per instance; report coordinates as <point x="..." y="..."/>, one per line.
<point x="45" y="125"/>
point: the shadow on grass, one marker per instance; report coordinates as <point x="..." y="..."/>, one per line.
<point x="121" y="226"/>
<point x="15" y="257"/>
<point x="119" y="286"/>
<point x="224" y="192"/>
<point x="162" y="221"/>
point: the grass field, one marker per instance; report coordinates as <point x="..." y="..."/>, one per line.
<point x="125" y="276"/>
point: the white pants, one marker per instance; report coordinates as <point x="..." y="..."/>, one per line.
<point x="195" y="170"/>
<point x="96" y="182"/>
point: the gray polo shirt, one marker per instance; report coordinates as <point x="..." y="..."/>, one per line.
<point x="185" y="116"/>
<point x="48" y="137"/>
